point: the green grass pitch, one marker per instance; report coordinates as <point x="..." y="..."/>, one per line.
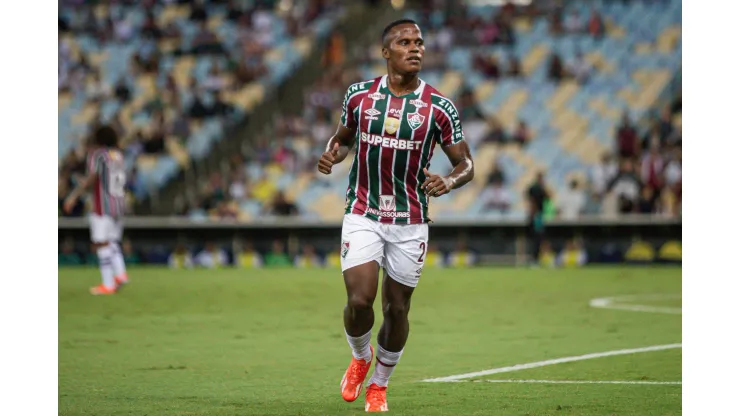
<point x="271" y="342"/>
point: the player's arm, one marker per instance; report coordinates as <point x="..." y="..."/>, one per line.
<point x="86" y="183"/>
<point x="343" y="140"/>
<point x="452" y="139"/>
<point x="337" y="148"/>
<point x="462" y="171"/>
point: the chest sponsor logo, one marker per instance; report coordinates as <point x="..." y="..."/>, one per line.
<point x="415" y="120"/>
<point x="387" y="203"/>
<point x="376" y="96"/>
<point x="390" y="142"/>
<point x="391" y="125"/>
<point x="396" y="112"/>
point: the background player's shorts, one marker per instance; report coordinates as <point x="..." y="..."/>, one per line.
<point x="105" y="228"/>
<point x="399" y="248"/>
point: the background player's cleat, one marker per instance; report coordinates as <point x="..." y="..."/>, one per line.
<point x="375" y="399"/>
<point x="102" y="290"/>
<point x="351" y="384"/>
<point x="122" y="279"/>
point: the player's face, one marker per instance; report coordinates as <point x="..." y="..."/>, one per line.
<point x="405" y="51"/>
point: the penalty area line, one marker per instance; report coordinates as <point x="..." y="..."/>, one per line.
<point x="518" y="367"/>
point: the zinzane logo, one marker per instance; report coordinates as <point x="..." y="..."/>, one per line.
<point x="415" y="120"/>
<point x="376" y="96"/>
<point x="387" y="203"/>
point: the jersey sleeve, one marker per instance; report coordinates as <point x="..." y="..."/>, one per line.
<point x="94" y="161"/>
<point x="447" y="120"/>
<point x="351" y="100"/>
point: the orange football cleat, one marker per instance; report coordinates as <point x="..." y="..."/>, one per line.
<point x="354" y="377"/>
<point x="102" y="290"/>
<point x="375" y="399"/>
<point x="122" y="279"/>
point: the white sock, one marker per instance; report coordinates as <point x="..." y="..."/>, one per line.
<point x="360" y="346"/>
<point x="105" y="259"/>
<point x="384" y="365"/>
<point x="119" y="266"/>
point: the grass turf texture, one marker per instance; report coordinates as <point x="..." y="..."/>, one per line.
<point x="271" y="342"/>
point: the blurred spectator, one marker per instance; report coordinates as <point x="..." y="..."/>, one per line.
<point x="547" y="257"/>
<point x="211" y="256"/>
<point x="68" y="255"/>
<point x="249" y="258"/>
<point x="130" y="255"/>
<point x="238" y="186"/>
<point x="646" y="204"/>
<point x="496" y="133"/>
<point x="602" y="174"/>
<point x="572" y="202"/>
<point x="651" y="170"/>
<point x="573" y="255"/>
<point x="555" y="68"/>
<point x="521" y="135"/>
<point x="64" y="189"/>
<point x="514" y="67"/>
<point x="596" y="25"/>
<point x="537" y="195"/>
<point x="467" y="106"/>
<point x="277" y="256"/>
<point x="573" y="23"/>
<point x="281" y="206"/>
<point x="307" y="258"/>
<point x="180" y="258"/>
<point x="626" y="186"/>
<point x="496" y="197"/>
<point x="334" y="52"/>
<point x="461" y="256"/>
<point x="580" y="68"/>
<point x="496" y="175"/>
<point x="628" y="144"/>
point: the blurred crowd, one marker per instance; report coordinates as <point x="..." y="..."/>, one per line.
<point x="172" y="117"/>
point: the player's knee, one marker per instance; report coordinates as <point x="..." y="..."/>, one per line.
<point x="396" y="310"/>
<point x="359" y="301"/>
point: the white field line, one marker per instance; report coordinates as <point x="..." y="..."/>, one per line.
<point x="670" y="383"/>
<point x="537" y="364"/>
<point x="625" y="303"/>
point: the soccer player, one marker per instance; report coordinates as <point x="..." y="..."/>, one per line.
<point x="106" y="174"/>
<point x="395" y="120"/>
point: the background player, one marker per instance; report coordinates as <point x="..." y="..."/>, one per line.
<point x="395" y="120"/>
<point x="106" y="175"/>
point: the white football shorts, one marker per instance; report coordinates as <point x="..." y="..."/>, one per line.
<point x="398" y="248"/>
<point x="104" y="228"/>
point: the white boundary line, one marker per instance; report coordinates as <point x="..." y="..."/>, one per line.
<point x="670" y="383"/>
<point x="622" y="303"/>
<point x="537" y="364"/>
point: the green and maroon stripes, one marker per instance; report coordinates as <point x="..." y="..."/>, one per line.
<point x="395" y="140"/>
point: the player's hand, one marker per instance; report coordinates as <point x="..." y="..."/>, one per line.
<point x="436" y="185"/>
<point x="69" y="204"/>
<point x="327" y="159"/>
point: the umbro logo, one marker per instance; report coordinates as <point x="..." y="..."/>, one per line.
<point x="372" y="114"/>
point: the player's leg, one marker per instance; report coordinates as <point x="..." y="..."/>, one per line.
<point x="361" y="255"/>
<point x="404" y="256"/>
<point x="99" y="233"/>
<point x="119" y="266"/>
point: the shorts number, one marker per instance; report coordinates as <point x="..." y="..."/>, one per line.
<point x="423" y="247"/>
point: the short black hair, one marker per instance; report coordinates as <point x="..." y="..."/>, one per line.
<point x="393" y="24"/>
<point x="106" y="136"/>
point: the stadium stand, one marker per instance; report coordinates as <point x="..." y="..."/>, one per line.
<point x="172" y="77"/>
<point x="540" y="90"/>
<point x="578" y="92"/>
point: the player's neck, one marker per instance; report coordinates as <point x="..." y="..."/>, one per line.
<point x="402" y="84"/>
